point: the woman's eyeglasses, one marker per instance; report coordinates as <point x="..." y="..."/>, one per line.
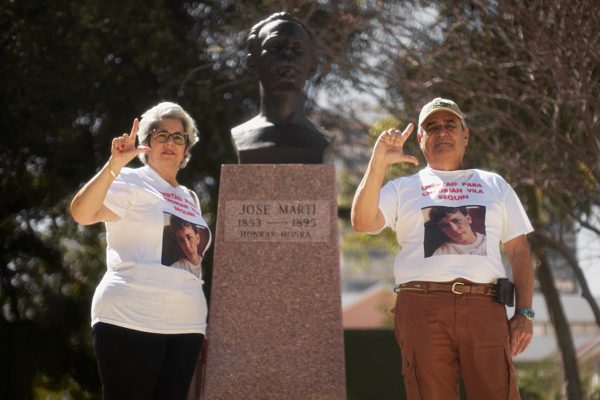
<point x="179" y="138"/>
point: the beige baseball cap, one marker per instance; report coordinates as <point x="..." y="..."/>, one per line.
<point x="439" y="104"/>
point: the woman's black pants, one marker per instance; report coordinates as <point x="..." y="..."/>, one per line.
<point x="141" y="365"/>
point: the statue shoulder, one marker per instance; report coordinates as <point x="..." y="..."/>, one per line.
<point x="255" y="124"/>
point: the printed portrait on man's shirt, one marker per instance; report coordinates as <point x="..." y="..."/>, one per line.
<point x="454" y="230"/>
<point x="183" y="244"/>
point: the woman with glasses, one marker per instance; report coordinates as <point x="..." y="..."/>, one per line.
<point x="148" y="318"/>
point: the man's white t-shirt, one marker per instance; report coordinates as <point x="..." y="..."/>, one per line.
<point x="141" y="290"/>
<point x="498" y="216"/>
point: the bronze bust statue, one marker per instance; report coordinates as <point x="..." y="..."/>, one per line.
<point x="282" y="55"/>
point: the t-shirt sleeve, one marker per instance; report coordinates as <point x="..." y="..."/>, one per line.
<point x="119" y="197"/>
<point x="516" y="222"/>
<point x="388" y="205"/>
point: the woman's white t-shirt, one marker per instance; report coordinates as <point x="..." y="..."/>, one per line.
<point x="142" y="288"/>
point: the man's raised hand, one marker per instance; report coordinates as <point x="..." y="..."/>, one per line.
<point x="389" y="147"/>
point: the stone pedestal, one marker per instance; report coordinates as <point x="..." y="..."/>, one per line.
<point x="275" y="326"/>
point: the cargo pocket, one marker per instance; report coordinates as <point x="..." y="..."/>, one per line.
<point x="409" y="374"/>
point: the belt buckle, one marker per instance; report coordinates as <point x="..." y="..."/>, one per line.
<point x="454" y="287"/>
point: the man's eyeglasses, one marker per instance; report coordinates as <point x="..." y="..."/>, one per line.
<point x="179" y="138"/>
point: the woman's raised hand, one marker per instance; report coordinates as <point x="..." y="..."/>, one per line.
<point x="389" y="147"/>
<point x="123" y="148"/>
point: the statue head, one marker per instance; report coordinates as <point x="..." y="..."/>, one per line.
<point x="281" y="53"/>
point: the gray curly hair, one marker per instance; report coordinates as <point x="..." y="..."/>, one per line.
<point x="152" y="117"/>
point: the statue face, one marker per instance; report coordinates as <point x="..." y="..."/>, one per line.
<point x="286" y="58"/>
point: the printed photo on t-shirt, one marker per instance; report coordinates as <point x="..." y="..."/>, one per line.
<point x="454" y="230"/>
<point x="183" y="244"/>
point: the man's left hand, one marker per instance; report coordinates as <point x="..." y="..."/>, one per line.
<point x="521" y="332"/>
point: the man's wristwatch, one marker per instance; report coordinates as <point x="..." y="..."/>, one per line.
<point x="527" y="312"/>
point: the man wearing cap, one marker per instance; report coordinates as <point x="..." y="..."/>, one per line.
<point x="450" y="315"/>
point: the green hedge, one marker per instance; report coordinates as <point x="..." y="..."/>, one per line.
<point x="373" y="365"/>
